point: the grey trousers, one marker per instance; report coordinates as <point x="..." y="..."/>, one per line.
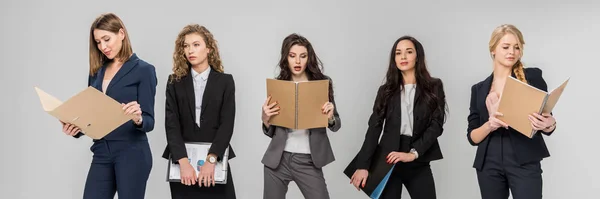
<point x="300" y="169"/>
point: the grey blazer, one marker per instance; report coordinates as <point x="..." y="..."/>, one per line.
<point x="320" y="148"/>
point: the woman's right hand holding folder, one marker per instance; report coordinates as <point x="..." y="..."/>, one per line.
<point x="69" y="129"/>
<point x="359" y="178"/>
<point x="492" y="102"/>
<point x="269" y="110"/>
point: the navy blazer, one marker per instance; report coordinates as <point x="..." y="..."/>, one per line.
<point x="527" y="149"/>
<point x="135" y="81"/>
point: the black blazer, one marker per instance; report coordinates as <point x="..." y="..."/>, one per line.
<point x="427" y="127"/>
<point x="216" y="120"/>
<point x="529" y="149"/>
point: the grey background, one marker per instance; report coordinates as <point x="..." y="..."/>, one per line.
<point x="45" y="43"/>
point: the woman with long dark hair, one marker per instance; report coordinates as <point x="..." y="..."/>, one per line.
<point x="298" y="154"/>
<point x="412" y="104"/>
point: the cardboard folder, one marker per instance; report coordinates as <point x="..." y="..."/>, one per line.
<point x="379" y="172"/>
<point x="95" y="113"/>
<point x="300" y="103"/>
<point x="519" y="100"/>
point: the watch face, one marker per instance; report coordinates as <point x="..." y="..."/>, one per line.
<point x="212" y="159"/>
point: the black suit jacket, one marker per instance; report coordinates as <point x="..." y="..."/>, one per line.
<point x="527" y="149"/>
<point x="427" y="127"/>
<point x="216" y="120"/>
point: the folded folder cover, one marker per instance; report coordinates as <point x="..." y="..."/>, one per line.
<point x="196" y="153"/>
<point x="95" y="113"/>
<point x="520" y="99"/>
<point x="379" y="172"/>
<point x="300" y="103"/>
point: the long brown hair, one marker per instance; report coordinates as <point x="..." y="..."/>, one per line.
<point x="394" y="81"/>
<point x="313" y="64"/>
<point x="497" y="35"/>
<point x="181" y="66"/>
<point x="112" y="23"/>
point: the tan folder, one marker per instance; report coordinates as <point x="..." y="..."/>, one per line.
<point x="95" y="113"/>
<point x="519" y="100"/>
<point x="300" y="103"/>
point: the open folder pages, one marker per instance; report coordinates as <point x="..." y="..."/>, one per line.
<point x="300" y="103"/>
<point x="95" y="113"/>
<point x="519" y="100"/>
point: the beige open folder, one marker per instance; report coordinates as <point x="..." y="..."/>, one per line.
<point x="95" y="113"/>
<point x="300" y="103"/>
<point x="519" y="100"/>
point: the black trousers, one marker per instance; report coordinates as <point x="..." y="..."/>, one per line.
<point x="502" y="173"/>
<point x="416" y="176"/>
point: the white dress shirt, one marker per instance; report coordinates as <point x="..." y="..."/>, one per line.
<point x="298" y="141"/>
<point x="407" y="99"/>
<point x="200" y="80"/>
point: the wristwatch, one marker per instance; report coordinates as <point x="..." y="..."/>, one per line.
<point x="414" y="151"/>
<point x="211" y="158"/>
<point x="331" y="121"/>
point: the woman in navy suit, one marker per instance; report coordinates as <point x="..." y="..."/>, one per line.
<point x="506" y="159"/>
<point x="122" y="159"/>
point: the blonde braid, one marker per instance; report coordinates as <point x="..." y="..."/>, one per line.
<point x="519" y="71"/>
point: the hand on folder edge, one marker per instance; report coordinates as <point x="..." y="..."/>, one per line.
<point x="491" y="102"/>
<point x="69" y="129"/>
<point x="359" y="178"/>
<point x="187" y="172"/>
<point x="269" y="110"/>
<point x="207" y="175"/>
<point x="541" y="121"/>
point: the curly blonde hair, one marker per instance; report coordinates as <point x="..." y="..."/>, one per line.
<point x="180" y="64"/>
<point x="497" y="35"/>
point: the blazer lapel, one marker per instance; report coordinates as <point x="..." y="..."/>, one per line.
<point x="126" y="68"/>
<point x="209" y="89"/>
<point x="188" y="86"/>
<point x="99" y="78"/>
<point x="482" y="95"/>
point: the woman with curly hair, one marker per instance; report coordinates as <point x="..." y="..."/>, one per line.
<point x="200" y="107"/>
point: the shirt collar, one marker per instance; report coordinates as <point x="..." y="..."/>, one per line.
<point x="203" y="75"/>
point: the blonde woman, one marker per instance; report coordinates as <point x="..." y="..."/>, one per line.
<point x="505" y="159"/>
<point x="122" y="160"/>
<point x="200" y="107"/>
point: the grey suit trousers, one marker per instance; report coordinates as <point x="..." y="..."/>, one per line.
<point x="300" y="169"/>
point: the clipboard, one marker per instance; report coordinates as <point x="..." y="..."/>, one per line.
<point x="95" y="113"/>
<point x="197" y="152"/>
<point x="520" y="99"/>
<point x="300" y="103"/>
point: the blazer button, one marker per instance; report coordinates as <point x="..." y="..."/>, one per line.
<point x="201" y="120"/>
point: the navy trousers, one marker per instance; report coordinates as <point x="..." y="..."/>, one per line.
<point x="502" y="173"/>
<point x="119" y="167"/>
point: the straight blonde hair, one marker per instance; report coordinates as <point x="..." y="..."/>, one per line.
<point x="497" y="35"/>
<point x="112" y="23"/>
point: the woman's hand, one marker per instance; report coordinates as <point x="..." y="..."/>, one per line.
<point x="359" y="178"/>
<point x="328" y="109"/>
<point x="69" y="129"/>
<point x="395" y="157"/>
<point x="133" y="108"/>
<point x="544" y="121"/>
<point x="269" y="110"/>
<point x="187" y="172"/>
<point x="207" y="175"/>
